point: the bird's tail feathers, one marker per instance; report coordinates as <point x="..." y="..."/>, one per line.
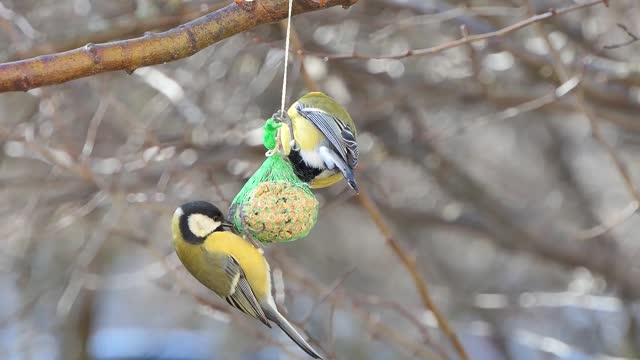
<point x="332" y="159"/>
<point x="347" y="172"/>
<point x="283" y="323"/>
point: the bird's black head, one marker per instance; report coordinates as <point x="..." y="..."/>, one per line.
<point x="198" y="219"/>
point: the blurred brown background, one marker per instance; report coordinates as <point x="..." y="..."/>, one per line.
<point x="488" y="172"/>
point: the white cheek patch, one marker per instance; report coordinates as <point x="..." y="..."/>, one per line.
<point x="202" y="225"/>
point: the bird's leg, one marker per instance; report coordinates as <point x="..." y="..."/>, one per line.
<point x="294" y="145"/>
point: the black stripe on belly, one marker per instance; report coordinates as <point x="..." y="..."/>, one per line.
<point x="305" y="172"/>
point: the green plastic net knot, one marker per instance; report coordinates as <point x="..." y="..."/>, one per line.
<point x="270" y="130"/>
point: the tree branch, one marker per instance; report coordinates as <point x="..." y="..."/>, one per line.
<point x="423" y="290"/>
<point x="150" y="49"/>
<point x="632" y="38"/>
<point x="119" y="29"/>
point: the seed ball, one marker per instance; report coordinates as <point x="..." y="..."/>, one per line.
<point x="278" y="212"/>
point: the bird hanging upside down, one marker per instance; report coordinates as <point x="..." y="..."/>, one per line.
<point x="324" y="148"/>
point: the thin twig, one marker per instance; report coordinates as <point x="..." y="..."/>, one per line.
<point x="606" y="226"/>
<point x="513" y="111"/>
<point x="465" y="39"/>
<point x="563" y="73"/>
<point x="337" y="283"/>
<point x="400" y="339"/>
<point x="632" y="38"/>
<point x="423" y="290"/>
<point x="407" y="314"/>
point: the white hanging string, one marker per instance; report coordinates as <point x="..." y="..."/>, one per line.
<point x="281" y="115"/>
<point x="286" y="58"/>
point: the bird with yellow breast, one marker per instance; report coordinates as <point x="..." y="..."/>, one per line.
<point x="322" y="143"/>
<point x="228" y="265"/>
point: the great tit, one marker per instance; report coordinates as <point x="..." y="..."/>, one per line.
<point x="324" y="147"/>
<point x="228" y="264"/>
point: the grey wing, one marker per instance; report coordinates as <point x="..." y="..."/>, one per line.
<point x="240" y="294"/>
<point x="340" y="135"/>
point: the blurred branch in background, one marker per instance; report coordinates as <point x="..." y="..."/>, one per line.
<point x="632" y="38"/>
<point x="151" y="49"/>
<point x="378" y="219"/>
<point x="420" y="284"/>
<point x="498" y="165"/>
<point x="120" y="28"/>
<point x="468" y="38"/>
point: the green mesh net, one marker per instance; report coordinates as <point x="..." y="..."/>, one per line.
<point x="274" y="205"/>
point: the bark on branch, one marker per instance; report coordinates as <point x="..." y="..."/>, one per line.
<point x="153" y="48"/>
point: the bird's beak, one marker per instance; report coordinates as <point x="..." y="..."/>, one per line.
<point x="228" y="224"/>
